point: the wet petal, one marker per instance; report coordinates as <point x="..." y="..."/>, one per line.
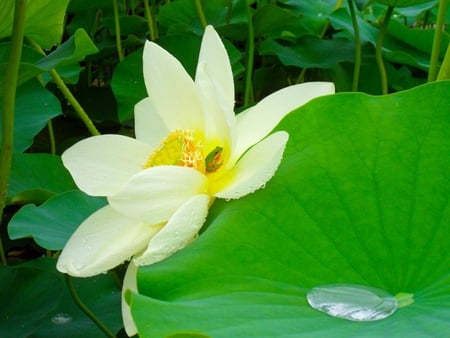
<point x="256" y="122"/>
<point x="171" y="89"/>
<point x="101" y="165"/>
<point x="103" y="241"/>
<point x="155" y="194"/>
<point x="255" y="168"/>
<point x="214" y="57"/>
<point x="129" y="283"/>
<point x="180" y="230"/>
<point x="148" y="124"/>
<point x="218" y="123"/>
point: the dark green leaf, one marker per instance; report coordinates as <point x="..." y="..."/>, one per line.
<point x="27" y="296"/>
<point x="310" y="52"/>
<point x="44" y="20"/>
<point x="34" y="107"/>
<point x="38" y="175"/>
<point x="38" y="303"/>
<point x="52" y="223"/>
<point x="402" y="3"/>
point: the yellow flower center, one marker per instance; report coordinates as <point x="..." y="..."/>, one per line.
<point x="183" y="148"/>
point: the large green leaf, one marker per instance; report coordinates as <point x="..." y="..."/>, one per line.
<point x="44" y="20"/>
<point x="52" y="223"/>
<point x="36" y="177"/>
<point x="75" y="49"/>
<point x="35" y="302"/>
<point x="35" y="105"/>
<point x="26" y="297"/>
<point x="361" y="197"/>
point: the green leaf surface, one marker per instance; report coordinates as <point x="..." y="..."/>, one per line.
<point x="44" y="20"/>
<point x="75" y="49"/>
<point x="310" y="52"/>
<point x="361" y="197"/>
<point x="52" y="223"/>
<point x="35" y="295"/>
<point x="38" y="176"/>
<point x="402" y="3"/>
<point x="128" y="85"/>
<point x="27" y="296"/>
<point x="35" y="105"/>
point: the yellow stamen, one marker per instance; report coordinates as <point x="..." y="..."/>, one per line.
<point x="181" y="148"/>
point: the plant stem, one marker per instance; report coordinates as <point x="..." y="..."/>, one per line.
<point x="437" y="40"/>
<point x="444" y="72"/>
<point x="9" y="102"/>
<point x="248" y="94"/>
<point x="85" y="309"/>
<point x="73" y="101"/>
<point x="68" y="95"/>
<point x="117" y="27"/>
<point x="378" y="50"/>
<point x="357" y="68"/>
<point x="51" y="136"/>
<point x="150" y="21"/>
<point x="201" y="13"/>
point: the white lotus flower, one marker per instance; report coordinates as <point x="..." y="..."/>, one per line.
<point x="189" y="149"/>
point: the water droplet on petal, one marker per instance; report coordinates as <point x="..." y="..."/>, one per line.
<point x="352" y="302"/>
<point x="61" y="318"/>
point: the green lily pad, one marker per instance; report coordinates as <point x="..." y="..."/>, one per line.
<point x="75" y="49"/>
<point x="35" y="105"/>
<point x="44" y="20"/>
<point x="402" y="3"/>
<point x="361" y="197"/>
<point x="36" y="302"/>
<point x="52" y="223"/>
<point x="36" y="177"/>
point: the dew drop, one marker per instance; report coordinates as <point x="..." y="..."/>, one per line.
<point x="61" y="318"/>
<point x="352" y="302"/>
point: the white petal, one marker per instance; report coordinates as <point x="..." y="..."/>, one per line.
<point x="218" y="123"/>
<point x="100" y="165"/>
<point x="256" y="122"/>
<point x="180" y="231"/>
<point x="255" y="168"/>
<point x="148" y="124"/>
<point x="214" y="57"/>
<point x="103" y="241"/>
<point x="171" y="89"/>
<point x="155" y="194"/>
<point x="129" y="283"/>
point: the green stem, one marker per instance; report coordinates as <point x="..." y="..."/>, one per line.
<point x="248" y="94"/>
<point x="439" y="30"/>
<point x="9" y="102"/>
<point x="155" y="26"/>
<point x="229" y="11"/>
<point x="85" y="309"/>
<point x="201" y="13"/>
<point x="444" y="72"/>
<point x="51" y="136"/>
<point x="117" y="27"/>
<point x="68" y="95"/>
<point x="73" y="101"/>
<point x="357" y="68"/>
<point x="150" y="21"/>
<point x="378" y="50"/>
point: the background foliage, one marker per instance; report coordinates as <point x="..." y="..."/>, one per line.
<point x="366" y="177"/>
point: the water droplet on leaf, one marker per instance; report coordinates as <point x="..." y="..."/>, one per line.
<point x="61" y="318"/>
<point x="352" y="302"/>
